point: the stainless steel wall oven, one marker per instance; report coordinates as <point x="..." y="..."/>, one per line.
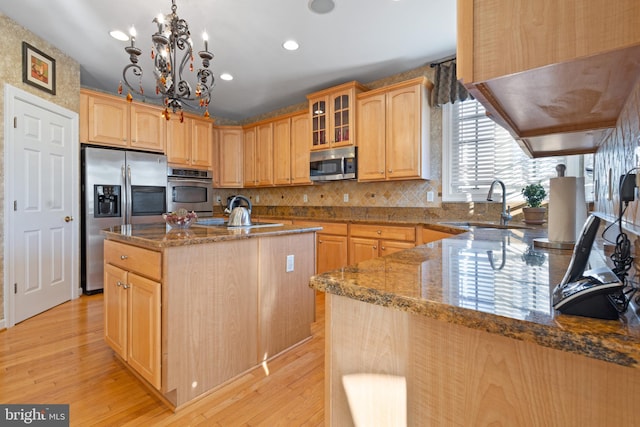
<point x="191" y="189"/>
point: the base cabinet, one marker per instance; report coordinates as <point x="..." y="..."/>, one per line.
<point x="331" y="244"/>
<point x="132" y="315"/>
<point x="371" y="241"/>
<point x="331" y="252"/>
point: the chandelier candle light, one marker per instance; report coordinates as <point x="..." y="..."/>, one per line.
<point x="172" y="50"/>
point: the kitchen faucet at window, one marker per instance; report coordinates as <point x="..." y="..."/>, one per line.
<point x="505" y="215"/>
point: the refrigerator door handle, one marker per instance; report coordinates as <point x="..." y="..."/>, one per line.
<point x="126" y="179"/>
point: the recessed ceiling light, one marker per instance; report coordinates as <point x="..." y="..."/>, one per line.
<point x="321" y="6"/>
<point x="119" y="35"/>
<point x="290" y="45"/>
<point x="226" y="76"/>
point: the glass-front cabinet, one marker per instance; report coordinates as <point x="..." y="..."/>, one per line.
<point x="333" y="116"/>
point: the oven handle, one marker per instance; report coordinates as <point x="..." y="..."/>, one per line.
<point x="198" y="181"/>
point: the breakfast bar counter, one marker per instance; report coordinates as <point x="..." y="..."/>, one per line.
<point x="468" y="322"/>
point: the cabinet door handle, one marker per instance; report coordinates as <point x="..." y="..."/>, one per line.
<point x="390" y="171"/>
<point x="118" y="283"/>
<point x="382" y="248"/>
<point x="379" y="231"/>
<point x="381" y="172"/>
<point x="375" y="247"/>
<point x="125" y="286"/>
<point x="124" y="256"/>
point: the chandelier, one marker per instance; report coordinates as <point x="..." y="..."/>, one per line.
<point x="172" y="53"/>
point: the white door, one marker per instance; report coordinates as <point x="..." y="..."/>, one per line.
<point x="41" y="205"/>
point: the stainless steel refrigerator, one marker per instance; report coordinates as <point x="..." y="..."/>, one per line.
<point x="119" y="187"/>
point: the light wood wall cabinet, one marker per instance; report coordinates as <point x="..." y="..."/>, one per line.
<point x="249" y="159"/>
<point x="282" y="151"/>
<point x="331" y="244"/>
<point x="189" y="142"/>
<point x="110" y="120"/>
<point x="258" y="155"/>
<point x="228" y="157"/>
<point x="393" y="128"/>
<point x="333" y="116"/>
<point x="370" y="241"/>
<point x="300" y="143"/>
<point x="132" y="299"/>
<point x="555" y="74"/>
<point x="291" y="150"/>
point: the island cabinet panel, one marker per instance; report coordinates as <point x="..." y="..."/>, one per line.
<point x="115" y="309"/>
<point x="286" y="302"/>
<point x="209" y="315"/>
<point x="132" y="307"/>
<point x="144" y="328"/>
<point x="462" y="376"/>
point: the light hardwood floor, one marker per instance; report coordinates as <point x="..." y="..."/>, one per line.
<point x="60" y="357"/>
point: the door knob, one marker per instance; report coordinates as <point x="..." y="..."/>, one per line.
<point x="68" y="218"/>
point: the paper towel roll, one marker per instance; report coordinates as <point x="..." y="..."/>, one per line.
<point x="567" y="209"/>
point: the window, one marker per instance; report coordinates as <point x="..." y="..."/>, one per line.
<point x="476" y="151"/>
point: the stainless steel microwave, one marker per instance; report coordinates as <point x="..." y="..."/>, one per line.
<point x="334" y="164"/>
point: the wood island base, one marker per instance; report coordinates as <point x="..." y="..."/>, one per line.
<point x="461" y="376"/>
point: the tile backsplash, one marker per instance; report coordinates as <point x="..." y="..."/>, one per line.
<point x="616" y="156"/>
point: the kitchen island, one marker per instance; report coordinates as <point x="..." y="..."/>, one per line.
<point x="190" y="309"/>
<point x="467" y="321"/>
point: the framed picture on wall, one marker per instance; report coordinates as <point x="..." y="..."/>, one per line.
<point x="38" y="69"/>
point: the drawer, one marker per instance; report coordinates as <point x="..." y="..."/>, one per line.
<point x="132" y="258"/>
<point x="327" y="227"/>
<point x="392" y="232"/>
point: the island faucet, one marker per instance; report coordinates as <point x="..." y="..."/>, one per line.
<point x="505" y="215"/>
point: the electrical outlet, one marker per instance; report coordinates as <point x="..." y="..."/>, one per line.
<point x="429" y="196"/>
<point x="305" y="198"/>
<point x="218" y="199"/>
<point x="257" y="199"/>
<point x="345" y="197"/>
<point x="290" y="263"/>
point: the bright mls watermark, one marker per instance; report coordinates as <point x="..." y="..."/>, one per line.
<point x="34" y="415"/>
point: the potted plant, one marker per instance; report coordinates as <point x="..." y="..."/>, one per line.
<point x="534" y="194"/>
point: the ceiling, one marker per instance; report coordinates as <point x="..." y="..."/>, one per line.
<point x="362" y="40"/>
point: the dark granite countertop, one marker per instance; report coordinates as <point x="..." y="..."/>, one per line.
<point x="494" y="280"/>
<point x="156" y="236"/>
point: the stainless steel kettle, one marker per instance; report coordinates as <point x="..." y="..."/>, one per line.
<point x="240" y="215"/>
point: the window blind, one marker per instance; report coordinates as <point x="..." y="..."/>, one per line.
<point x="480" y="151"/>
